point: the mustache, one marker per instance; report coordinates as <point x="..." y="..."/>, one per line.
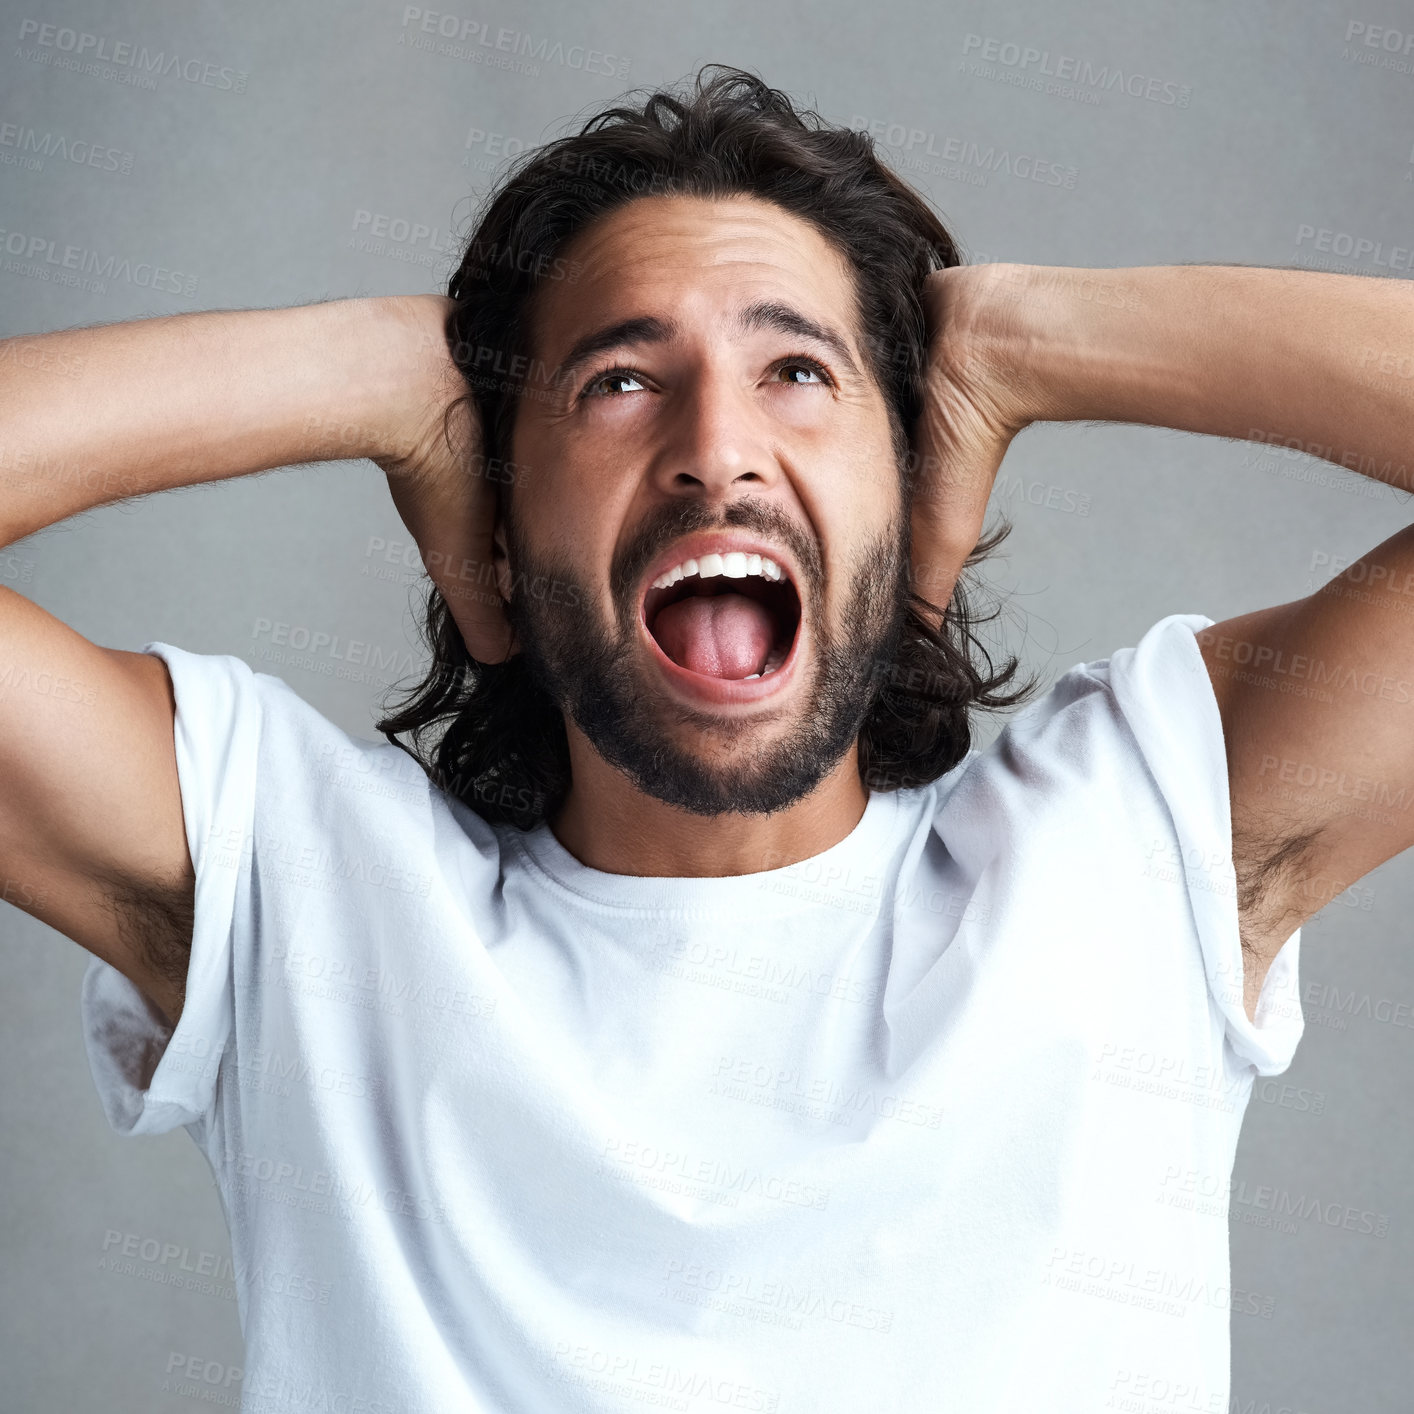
<point x="676" y="519"/>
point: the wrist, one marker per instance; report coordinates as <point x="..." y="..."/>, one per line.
<point x="997" y="333"/>
<point x="1079" y="344"/>
<point x="393" y="369"/>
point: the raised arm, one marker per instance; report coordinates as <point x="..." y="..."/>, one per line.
<point x="1316" y="696"/>
<point x="92" y="838"/>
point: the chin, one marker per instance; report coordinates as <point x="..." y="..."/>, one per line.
<point x="713" y="760"/>
<point x="715" y="684"/>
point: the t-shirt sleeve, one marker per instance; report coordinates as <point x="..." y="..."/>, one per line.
<point x="1163" y="689"/>
<point x="151" y="1078"/>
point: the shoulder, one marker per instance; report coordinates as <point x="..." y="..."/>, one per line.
<point x="1129" y="740"/>
<point x="223" y="706"/>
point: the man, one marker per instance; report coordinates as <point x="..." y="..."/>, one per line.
<point x="708" y="1025"/>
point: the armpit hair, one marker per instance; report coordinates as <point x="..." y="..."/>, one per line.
<point x="154" y="923"/>
<point x="1263" y="860"/>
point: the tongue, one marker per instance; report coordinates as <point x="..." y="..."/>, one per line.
<point x="718" y="635"/>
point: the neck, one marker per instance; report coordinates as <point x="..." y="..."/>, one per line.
<point x="610" y="825"/>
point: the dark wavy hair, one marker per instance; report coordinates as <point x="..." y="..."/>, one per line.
<point x="503" y="748"/>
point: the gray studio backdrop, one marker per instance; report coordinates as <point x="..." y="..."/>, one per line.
<point x="279" y="153"/>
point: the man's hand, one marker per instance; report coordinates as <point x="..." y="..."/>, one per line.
<point x="437" y="481"/>
<point x="974" y="406"/>
<point x="1314" y="695"/>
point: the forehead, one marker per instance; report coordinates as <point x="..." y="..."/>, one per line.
<point x="696" y="259"/>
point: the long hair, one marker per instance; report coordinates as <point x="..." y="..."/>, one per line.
<point x="502" y="746"/>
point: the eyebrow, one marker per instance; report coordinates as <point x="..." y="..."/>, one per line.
<point x="771" y="314"/>
<point x="647" y="329"/>
<point x="643" y="330"/>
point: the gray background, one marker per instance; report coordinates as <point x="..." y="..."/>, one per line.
<point x="252" y="182"/>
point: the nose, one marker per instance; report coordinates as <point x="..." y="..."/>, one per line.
<point x="714" y="444"/>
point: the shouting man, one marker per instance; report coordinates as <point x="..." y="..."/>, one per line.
<point x="691" y="1015"/>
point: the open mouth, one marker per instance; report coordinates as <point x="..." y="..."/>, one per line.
<point x="733" y="616"/>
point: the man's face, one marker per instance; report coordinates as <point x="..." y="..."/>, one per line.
<point x="707" y="541"/>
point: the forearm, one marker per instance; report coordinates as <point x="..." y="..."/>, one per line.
<point x="97" y="415"/>
<point x="1325" y="360"/>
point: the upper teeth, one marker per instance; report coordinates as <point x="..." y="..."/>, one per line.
<point x="735" y="564"/>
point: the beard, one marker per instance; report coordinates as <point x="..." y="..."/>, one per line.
<point x="596" y="674"/>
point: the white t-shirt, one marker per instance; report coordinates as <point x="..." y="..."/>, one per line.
<point x="941" y="1119"/>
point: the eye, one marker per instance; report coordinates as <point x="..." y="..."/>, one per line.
<point x="600" y="385"/>
<point x="815" y="373"/>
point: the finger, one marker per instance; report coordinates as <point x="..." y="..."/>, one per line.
<point x="957" y="466"/>
<point x="449" y="506"/>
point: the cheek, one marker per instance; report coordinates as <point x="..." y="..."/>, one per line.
<point x="809" y="412"/>
<point x="559" y="487"/>
<point x="569" y="508"/>
<point x="859" y="495"/>
<point x="866" y="518"/>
